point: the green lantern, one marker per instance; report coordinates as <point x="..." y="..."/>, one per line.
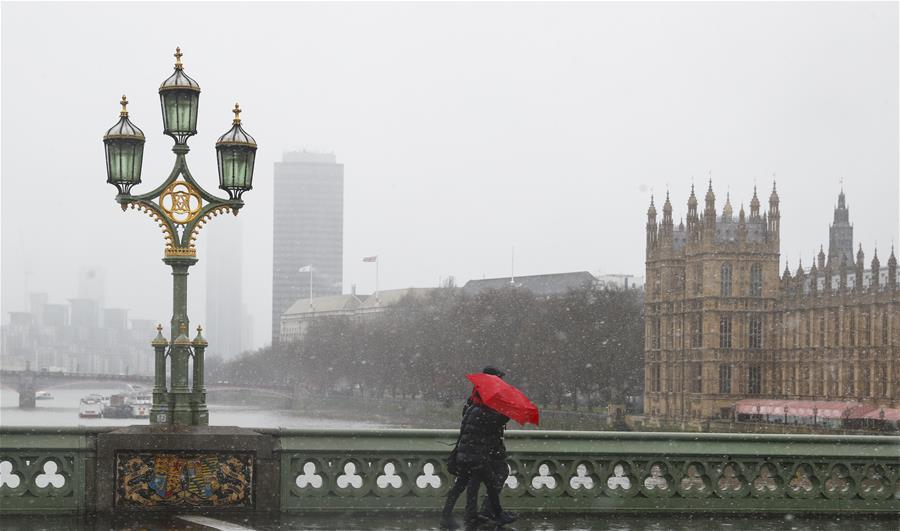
<point x="179" y="96"/>
<point x="124" y="144"/>
<point x="236" y="154"/>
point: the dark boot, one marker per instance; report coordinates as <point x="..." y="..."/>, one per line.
<point x="449" y="523"/>
<point x="506" y="517"/>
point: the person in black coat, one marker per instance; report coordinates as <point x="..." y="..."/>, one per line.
<point x="498" y="466"/>
<point x="479" y="450"/>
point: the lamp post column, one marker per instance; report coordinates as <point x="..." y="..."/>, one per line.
<point x="179" y="392"/>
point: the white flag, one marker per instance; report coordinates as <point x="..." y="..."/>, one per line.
<point x="305" y="269"/>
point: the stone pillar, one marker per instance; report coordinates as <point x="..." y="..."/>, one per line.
<point x="159" y="410"/>
<point x="200" y="412"/>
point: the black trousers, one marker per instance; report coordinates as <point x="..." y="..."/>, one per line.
<point x="470" y="480"/>
<point x="499" y="473"/>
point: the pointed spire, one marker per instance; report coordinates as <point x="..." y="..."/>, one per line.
<point x="773" y="198"/>
<point x="754" y="205"/>
<point x="741" y="217"/>
<point x="692" y="200"/>
<point x="859" y="254"/>
<point x="651" y="212"/>
<point x="892" y="270"/>
<point x="787" y="271"/>
<point x="667" y="207"/>
<point x="799" y="268"/>
<point x="876" y="269"/>
<point x="726" y="210"/>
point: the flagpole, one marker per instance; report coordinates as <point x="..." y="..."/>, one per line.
<point x="377" y="301"/>
<point x="512" y="266"/>
<point x="310" y="288"/>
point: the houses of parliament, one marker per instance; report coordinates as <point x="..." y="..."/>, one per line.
<point x="723" y="325"/>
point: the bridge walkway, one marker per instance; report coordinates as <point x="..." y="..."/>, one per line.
<point x="429" y="522"/>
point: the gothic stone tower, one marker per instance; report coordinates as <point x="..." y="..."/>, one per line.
<point x="840" y="234"/>
<point x="711" y="291"/>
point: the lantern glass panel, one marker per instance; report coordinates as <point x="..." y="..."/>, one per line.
<point x="124" y="160"/>
<point x="180" y="111"/>
<point x="236" y="167"/>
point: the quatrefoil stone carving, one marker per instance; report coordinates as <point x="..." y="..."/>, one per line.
<point x="656" y="480"/>
<point x="618" y="480"/>
<point x="350" y="477"/>
<point x="309" y="478"/>
<point x="873" y="482"/>
<point x="543" y="479"/>
<point x="7" y="477"/>
<point x="837" y="481"/>
<point x="428" y="479"/>
<point x="729" y="480"/>
<point x="389" y="477"/>
<point x="693" y="480"/>
<point x="50" y="476"/>
<point x="766" y="480"/>
<point x="801" y="481"/>
<point x="581" y="479"/>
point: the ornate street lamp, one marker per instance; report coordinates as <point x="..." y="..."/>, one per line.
<point x="124" y="144"/>
<point x="236" y="154"/>
<point x="180" y="206"/>
<point x="179" y="96"/>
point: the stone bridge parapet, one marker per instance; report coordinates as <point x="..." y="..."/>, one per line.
<point x="68" y="470"/>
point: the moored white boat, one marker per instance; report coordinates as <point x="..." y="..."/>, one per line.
<point x="140" y="405"/>
<point x="91" y="406"/>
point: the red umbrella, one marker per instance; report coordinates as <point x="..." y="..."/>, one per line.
<point x="504" y="398"/>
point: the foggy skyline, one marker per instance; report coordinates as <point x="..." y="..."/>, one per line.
<point x="464" y="130"/>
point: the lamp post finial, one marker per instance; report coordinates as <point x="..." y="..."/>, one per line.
<point x="178" y="54"/>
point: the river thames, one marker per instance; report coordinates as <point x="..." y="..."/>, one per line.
<point x="62" y="410"/>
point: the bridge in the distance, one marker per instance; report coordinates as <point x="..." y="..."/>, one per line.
<point x="27" y="383"/>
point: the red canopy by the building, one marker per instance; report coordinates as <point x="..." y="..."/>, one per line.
<point x="890" y="415"/>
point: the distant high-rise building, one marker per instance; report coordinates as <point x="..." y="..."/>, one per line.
<point x="92" y="284"/>
<point x="308" y="225"/>
<point x="247" y="329"/>
<point x="85" y="313"/>
<point x="224" y="296"/>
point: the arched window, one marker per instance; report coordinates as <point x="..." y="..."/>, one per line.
<point x="756" y="280"/>
<point x="755" y="332"/>
<point x="725" y="290"/>
<point x="698" y="279"/>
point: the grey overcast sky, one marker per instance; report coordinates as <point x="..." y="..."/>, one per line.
<point x="465" y="129"/>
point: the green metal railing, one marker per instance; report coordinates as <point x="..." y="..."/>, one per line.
<point x="53" y="470"/>
<point x="43" y="470"/>
<point x="600" y="471"/>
